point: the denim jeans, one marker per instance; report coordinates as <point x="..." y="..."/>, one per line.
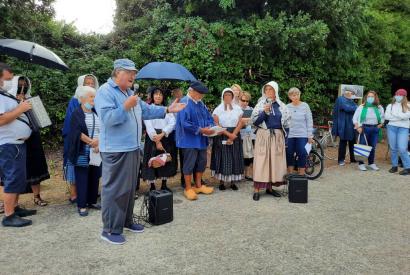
<point x="372" y="135"/>
<point x="296" y="146"/>
<point x="398" y="141"/>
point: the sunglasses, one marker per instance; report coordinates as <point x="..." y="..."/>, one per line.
<point x="244" y="100"/>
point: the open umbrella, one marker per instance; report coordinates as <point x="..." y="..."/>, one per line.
<point x="165" y="71"/>
<point x="31" y="52"/>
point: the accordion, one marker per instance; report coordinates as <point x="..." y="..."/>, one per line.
<point x="38" y="115"/>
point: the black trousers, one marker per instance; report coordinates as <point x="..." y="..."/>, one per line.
<point x="87" y="180"/>
<point x="342" y="150"/>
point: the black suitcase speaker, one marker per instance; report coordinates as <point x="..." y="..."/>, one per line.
<point x="298" y="189"/>
<point x="160" y="207"/>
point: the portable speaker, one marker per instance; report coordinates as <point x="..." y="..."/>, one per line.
<point x="160" y="207"/>
<point x="298" y="189"/>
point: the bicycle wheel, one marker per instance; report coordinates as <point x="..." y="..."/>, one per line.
<point x="314" y="165"/>
<point x="317" y="146"/>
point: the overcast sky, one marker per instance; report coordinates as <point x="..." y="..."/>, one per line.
<point x="87" y="15"/>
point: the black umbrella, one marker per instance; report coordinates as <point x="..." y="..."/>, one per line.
<point x="31" y="52"/>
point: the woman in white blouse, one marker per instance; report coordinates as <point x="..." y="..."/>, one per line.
<point x="227" y="152"/>
<point x="160" y="138"/>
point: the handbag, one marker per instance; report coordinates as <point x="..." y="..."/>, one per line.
<point x="362" y="151"/>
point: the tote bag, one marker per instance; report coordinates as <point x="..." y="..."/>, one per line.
<point x="362" y="151"/>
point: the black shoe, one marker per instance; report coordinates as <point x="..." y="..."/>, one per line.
<point x="222" y="187"/>
<point x="255" y="196"/>
<point x="394" y="169"/>
<point x="165" y="187"/>
<point x="152" y="188"/>
<point x="405" y="172"/>
<point x="21" y="212"/>
<point x="15" y="221"/>
<point x="273" y="193"/>
<point x="249" y="178"/>
<point x="95" y="206"/>
<point x="234" y="187"/>
<point x="183" y="182"/>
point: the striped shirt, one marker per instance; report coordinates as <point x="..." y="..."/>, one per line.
<point x="301" y="122"/>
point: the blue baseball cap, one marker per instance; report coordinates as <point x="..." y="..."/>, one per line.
<point x="199" y="87"/>
<point x="125" y="64"/>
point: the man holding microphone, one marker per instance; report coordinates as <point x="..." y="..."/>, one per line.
<point x="121" y="114"/>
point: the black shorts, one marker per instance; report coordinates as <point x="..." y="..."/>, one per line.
<point x="13" y="167"/>
<point x="194" y="161"/>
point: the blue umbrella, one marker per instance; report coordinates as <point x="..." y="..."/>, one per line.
<point x="165" y="71"/>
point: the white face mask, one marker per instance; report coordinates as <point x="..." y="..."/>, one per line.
<point x="7" y="85"/>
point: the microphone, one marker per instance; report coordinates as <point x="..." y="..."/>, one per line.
<point x="136" y="88"/>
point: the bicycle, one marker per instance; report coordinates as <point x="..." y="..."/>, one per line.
<point x="314" y="165"/>
<point x="323" y="139"/>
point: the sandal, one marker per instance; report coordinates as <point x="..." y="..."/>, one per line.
<point x="39" y="201"/>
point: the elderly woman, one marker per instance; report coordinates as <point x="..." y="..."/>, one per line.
<point x="160" y="139"/>
<point x="247" y="134"/>
<point x="83" y="142"/>
<point x="36" y="163"/>
<point x="343" y="125"/>
<point x="271" y="116"/>
<point x="83" y="80"/>
<point x="227" y="154"/>
<point x="368" y="121"/>
<point x="300" y="132"/>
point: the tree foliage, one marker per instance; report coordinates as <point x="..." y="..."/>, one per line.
<point x="313" y="45"/>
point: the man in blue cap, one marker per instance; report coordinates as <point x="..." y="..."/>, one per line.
<point x="121" y="115"/>
<point x="192" y="127"/>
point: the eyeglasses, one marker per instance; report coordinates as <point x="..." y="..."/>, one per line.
<point x="244" y="100"/>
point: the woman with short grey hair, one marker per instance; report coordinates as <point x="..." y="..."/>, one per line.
<point x="300" y="132"/>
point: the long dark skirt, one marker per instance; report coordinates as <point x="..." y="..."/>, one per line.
<point x="150" y="150"/>
<point x="227" y="162"/>
<point x="36" y="163"/>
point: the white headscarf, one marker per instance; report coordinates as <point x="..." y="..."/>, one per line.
<point x="223" y="105"/>
<point x="80" y="83"/>
<point x="263" y="100"/>
<point x="15" y="84"/>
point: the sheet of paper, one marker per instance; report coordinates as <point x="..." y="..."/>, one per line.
<point x="308" y="147"/>
<point x="95" y="158"/>
<point x="217" y="130"/>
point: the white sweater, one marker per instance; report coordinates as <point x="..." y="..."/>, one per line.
<point x="394" y="114"/>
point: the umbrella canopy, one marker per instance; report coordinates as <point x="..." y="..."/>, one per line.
<point x="31" y="52"/>
<point x="165" y="71"/>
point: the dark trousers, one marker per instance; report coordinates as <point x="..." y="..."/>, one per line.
<point x="342" y="150"/>
<point x="296" y="146"/>
<point x="181" y="164"/>
<point x="372" y="135"/>
<point x="87" y="180"/>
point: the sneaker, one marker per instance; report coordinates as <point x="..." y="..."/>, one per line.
<point x="83" y="212"/>
<point x="95" y="206"/>
<point x="342" y="163"/>
<point x="113" y="238"/>
<point x="405" y="172"/>
<point x="204" y="190"/>
<point x="15" y="221"/>
<point x="190" y="194"/>
<point x="374" y="167"/>
<point x="22" y="212"/>
<point x="394" y="169"/>
<point x="135" y="227"/>
<point x="362" y="167"/>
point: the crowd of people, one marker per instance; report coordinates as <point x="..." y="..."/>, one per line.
<point x="111" y="135"/>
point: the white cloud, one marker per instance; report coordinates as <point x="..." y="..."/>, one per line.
<point x="87" y="15"/>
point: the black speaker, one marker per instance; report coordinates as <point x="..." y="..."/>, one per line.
<point x="160" y="207"/>
<point x="298" y="189"/>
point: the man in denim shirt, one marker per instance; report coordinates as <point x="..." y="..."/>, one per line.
<point x="121" y="114"/>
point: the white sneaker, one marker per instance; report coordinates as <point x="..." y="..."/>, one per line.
<point x="374" y="167"/>
<point x="362" y="167"/>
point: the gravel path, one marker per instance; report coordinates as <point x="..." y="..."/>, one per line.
<point x="354" y="223"/>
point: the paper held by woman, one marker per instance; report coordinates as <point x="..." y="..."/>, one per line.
<point x="217" y="130"/>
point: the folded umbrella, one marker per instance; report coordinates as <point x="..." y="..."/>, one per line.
<point x="31" y="52"/>
<point x="165" y="71"/>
